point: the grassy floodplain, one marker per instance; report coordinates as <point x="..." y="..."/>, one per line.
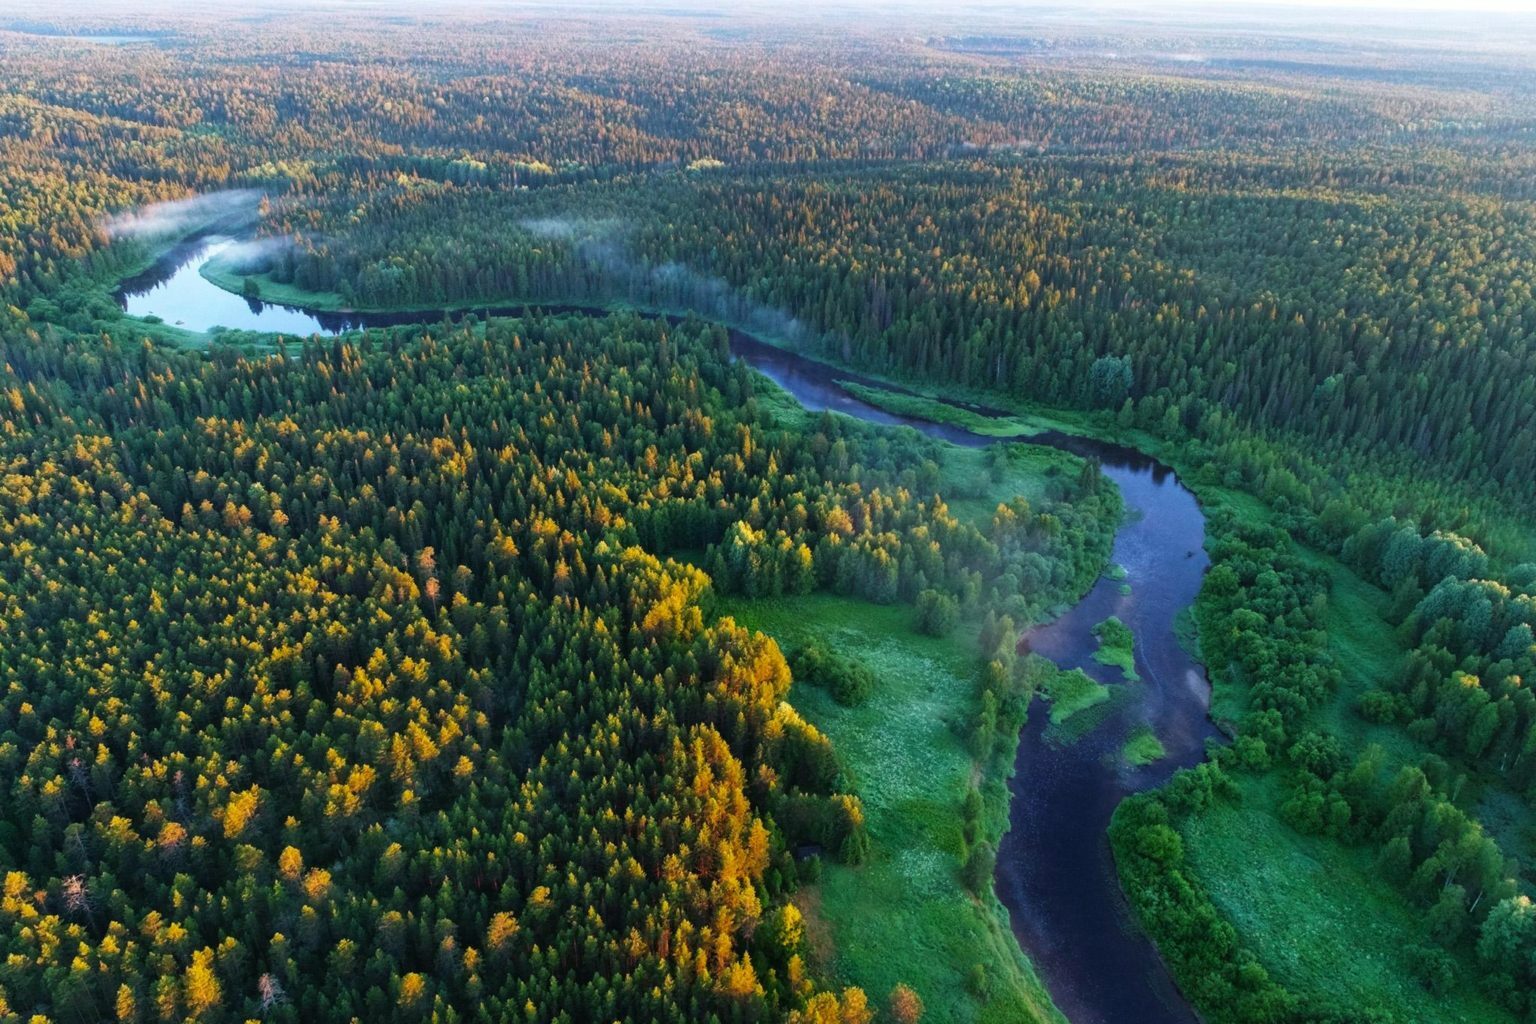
<point x="1298" y="900"/>
<point x="904" y="915"/>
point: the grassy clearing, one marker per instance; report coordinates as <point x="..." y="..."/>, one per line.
<point x="1368" y="653"/>
<point x="974" y="481"/>
<point x="1142" y="748"/>
<point x="904" y="915"/>
<point x="1299" y="902"/>
<point x="220" y="271"/>
<point x="1317" y="914"/>
<point x="1117" y="647"/>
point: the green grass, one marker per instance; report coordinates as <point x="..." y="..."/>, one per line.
<point x="1117" y="647"/>
<point x="974" y="481"/>
<point x="1300" y="902"/>
<point x="1365" y="647"/>
<point x="1317" y="914"/>
<point x="1071" y="692"/>
<point x="1142" y="748"/>
<point x="923" y="407"/>
<point x="904" y="915"/>
<point x="220" y="271"/>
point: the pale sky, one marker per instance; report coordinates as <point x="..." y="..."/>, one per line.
<point x="1517" y="6"/>
<point x="1510" y="6"/>
<point x="1388" y="6"/>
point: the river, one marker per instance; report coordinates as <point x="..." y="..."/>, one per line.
<point x="1055" y="873"/>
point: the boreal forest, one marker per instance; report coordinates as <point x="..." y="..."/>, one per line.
<point x="825" y="514"/>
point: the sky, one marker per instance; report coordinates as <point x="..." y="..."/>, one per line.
<point x="1385" y="6"/>
<point x="1516" y="6"/>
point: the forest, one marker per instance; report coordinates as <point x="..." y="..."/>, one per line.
<point x="378" y="691"/>
<point x="471" y="668"/>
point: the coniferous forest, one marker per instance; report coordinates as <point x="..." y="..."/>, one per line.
<point x="655" y="583"/>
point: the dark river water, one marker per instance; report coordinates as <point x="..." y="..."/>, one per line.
<point x="1055" y="873"/>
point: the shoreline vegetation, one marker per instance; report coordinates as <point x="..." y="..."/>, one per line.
<point x="1224" y="504"/>
<point x="924" y="831"/>
<point x="904" y="916"/>
<point x="1116" y="648"/>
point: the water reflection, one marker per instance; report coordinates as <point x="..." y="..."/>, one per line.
<point x="177" y="293"/>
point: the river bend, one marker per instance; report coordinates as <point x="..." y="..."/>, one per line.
<point x="1055" y="873"/>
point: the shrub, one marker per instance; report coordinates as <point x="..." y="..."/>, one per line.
<point x="937" y="613"/>
<point x="849" y="682"/>
<point x="979" y="866"/>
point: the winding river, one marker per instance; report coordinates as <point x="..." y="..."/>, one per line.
<point x="1055" y="873"/>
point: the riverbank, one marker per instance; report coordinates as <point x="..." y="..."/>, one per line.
<point x="903" y="916"/>
<point x="224" y="275"/>
<point x="1358" y="641"/>
<point x="1178" y="708"/>
<point x="955" y="946"/>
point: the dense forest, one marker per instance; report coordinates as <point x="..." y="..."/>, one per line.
<point x="386" y="675"/>
<point x="1402" y="342"/>
<point x="357" y="679"/>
